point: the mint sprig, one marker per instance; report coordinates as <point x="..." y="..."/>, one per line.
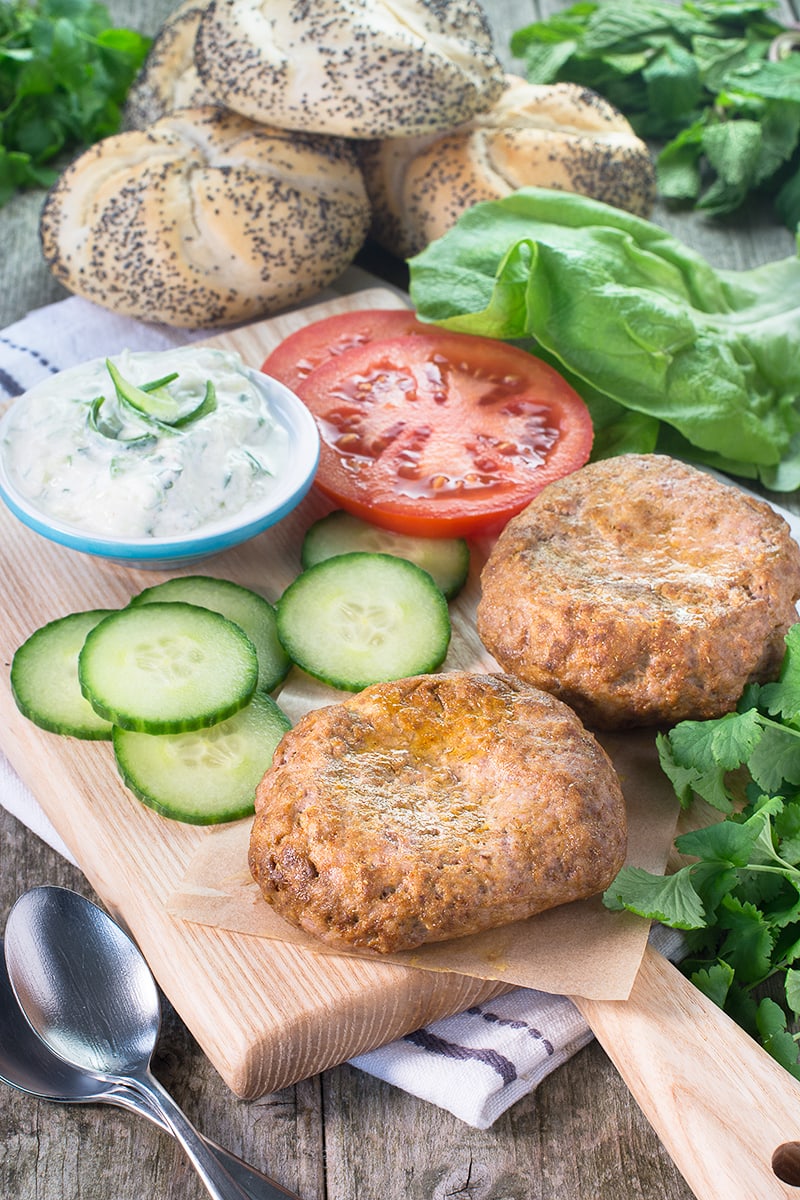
<point x="738" y="896"/>
<point x="704" y="78"/>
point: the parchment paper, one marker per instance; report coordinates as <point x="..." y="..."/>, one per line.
<point x="578" y="949"/>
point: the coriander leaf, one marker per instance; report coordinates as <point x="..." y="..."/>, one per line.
<point x="699" y="754"/>
<point x="792" y="988"/>
<point x="712" y="881"/>
<point x="684" y="780"/>
<point x="64" y="75"/>
<point x="725" y="842"/>
<point x="776" y="758"/>
<point x="782" y="698"/>
<point x="668" y="898"/>
<point x="787" y="832"/>
<point x="775" y="1037"/>
<point x="748" y="944"/>
<point x="783" y="912"/>
<point x="714" y="981"/>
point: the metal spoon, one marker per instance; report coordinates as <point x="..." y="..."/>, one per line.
<point x="28" y="1065"/>
<point x="88" y="993"/>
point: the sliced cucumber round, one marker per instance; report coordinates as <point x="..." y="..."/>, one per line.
<point x="446" y="559"/>
<point x="363" y="618"/>
<point x="166" y="668"/>
<point x="251" y="612"/>
<point x="44" y="678"/>
<point x="206" y="776"/>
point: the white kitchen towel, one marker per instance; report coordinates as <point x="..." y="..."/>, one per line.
<point x="474" y="1065"/>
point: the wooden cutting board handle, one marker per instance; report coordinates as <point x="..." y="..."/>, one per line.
<point x="720" y="1104"/>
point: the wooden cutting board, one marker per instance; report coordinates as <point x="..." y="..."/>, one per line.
<point x="269" y="1013"/>
<point x="266" y="1014"/>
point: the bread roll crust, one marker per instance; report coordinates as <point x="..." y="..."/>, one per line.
<point x="558" y="136"/>
<point x="432" y="807"/>
<point x="351" y="68"/>
<point x="204" y="219"/>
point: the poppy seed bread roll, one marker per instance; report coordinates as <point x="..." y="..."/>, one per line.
<point x="205" y="218"/>
<point x="351" y="68"/>
<point x="558" y="136"/>
<point x="168" y="77"/>
<point x="432" y="807"/>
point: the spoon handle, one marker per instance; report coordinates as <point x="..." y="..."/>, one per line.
<point x="253" y="1182"/>
<point x="218" y="1181"/>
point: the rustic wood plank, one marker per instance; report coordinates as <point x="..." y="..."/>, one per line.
<point x="343" y="1134"/>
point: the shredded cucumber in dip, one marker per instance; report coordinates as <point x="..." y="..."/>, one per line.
<point x="670" y="353"/>
<point x="146" y="444"/>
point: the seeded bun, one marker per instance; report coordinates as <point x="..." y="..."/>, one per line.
<point x="205" y="219"/>
<point x="351" y="68"/>
<point x="559" y="136"/>
<point x="168" y="78"/>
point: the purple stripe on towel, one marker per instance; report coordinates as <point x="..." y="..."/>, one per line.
<point x="494" y="1019"/>
<point x="490" y="1058"/>
<point x="7" y="381"/>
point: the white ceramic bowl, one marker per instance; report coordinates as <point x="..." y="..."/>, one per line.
<point x="187" y="548"/>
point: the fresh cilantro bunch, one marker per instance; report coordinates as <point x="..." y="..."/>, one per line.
<point x="696" y="76"/>
<point x="739" y="897"/>
<point x="64" y="75"/>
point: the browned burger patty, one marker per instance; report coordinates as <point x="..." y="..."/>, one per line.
<point x="431" y="807"/>
<point x="641" y="591"/>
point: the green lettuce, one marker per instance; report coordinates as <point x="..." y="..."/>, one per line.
<point x="667" y="351"/>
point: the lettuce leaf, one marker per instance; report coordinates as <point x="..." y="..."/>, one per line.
<point x="634" y="318"/>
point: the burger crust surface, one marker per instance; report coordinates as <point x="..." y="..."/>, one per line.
<point x="641" y="591"/>
<point x="432" y="807"/>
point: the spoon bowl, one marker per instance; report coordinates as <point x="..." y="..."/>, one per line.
<point x="28" y="1065"/>
<point x="82" y="983"/>
<point x="88" y="993"/>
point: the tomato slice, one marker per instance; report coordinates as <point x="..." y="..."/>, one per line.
<point x="442" y="434"/>
<point x="303" y="351"/>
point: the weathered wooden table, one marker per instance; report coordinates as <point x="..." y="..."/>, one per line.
<point x="340" y="1135"/>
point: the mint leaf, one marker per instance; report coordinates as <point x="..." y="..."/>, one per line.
<point x="669" y="67"/>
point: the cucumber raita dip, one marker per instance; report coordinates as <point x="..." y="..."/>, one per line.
<point x="147" y="444"/>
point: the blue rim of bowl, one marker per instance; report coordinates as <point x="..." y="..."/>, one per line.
<point x="304" y="449"/>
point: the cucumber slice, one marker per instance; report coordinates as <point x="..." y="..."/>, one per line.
<point x="44" y="678"/>
<point x="446" y="559"/>
<point x="248" y="610"/>
<point x="363" y="618"/>
<point x="206" y="776"/>
<point x="166" y="668"/>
